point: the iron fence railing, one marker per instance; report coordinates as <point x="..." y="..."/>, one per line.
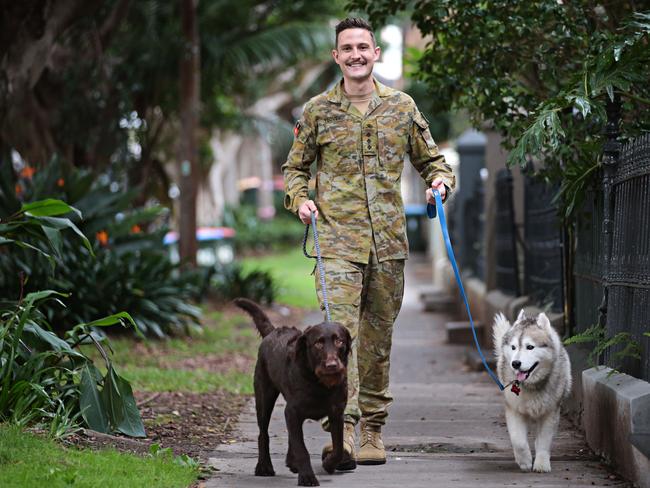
<point x="628" y="273"/>
<point x="507" y="274"/>
<point x="543" y="245"/>
<point x="473" y="250"/>
<point x="612" y="259"/>
<point x="589" y="262"/>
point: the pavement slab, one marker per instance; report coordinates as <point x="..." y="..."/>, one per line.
<point x="446" y="427"/>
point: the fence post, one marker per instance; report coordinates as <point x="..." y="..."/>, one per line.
<point x="611" y="150"/>
<point x="468" y="200"/>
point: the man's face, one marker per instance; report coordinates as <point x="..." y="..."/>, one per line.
<point x="355" y="54"/>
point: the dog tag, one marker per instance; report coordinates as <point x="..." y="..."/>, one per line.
<point x="515" y="388"/>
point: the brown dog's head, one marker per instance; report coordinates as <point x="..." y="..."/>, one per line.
<point x="325" y="348"/>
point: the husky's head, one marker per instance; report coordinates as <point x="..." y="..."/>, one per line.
<point x="526" y="349"/>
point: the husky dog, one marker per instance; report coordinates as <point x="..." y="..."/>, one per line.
<point x="532" y="359"/>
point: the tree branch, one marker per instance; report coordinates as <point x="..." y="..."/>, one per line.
<point x="112" y="22"/>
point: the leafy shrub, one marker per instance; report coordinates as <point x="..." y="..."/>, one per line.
<point x="124" y="267"/>
<point x="231" y="282"/>
<point x="254" y="234"/>
<point x="42" y="376"/>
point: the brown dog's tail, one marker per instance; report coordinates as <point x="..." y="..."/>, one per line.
<point x="262" y="322"/>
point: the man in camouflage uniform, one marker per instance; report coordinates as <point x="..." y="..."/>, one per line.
<point x="360" y="132"/>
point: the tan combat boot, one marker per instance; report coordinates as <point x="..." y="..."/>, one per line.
<point x="348" y="462"/>
<point x="371" y="449"/>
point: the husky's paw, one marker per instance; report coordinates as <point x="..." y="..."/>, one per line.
<point x="542" y="465"/>
<point x="525" y="466"/>
<point x="524" y="459"/>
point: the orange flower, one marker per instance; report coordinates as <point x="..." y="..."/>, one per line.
<point x="18" y="189"/>
<point x="60" y="182"/>
<point x="102" y="237"/>
<point x="28" y="172"/>
<point x="136" y="229"/>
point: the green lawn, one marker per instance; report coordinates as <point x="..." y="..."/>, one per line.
<point x="29" y="461"/>
<point x="292" y="272"/>
<point x="153" y="365"/>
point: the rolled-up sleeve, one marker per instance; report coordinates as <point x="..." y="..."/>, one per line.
<point x="425" y="156"/>
<point x="296" y="168"/>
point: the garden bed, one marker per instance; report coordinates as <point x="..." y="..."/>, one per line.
<point x="190" y="421"/>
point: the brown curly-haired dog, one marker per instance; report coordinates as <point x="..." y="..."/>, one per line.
<point x="310" y="370"/>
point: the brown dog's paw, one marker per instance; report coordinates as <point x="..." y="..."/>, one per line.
<point x="264" y="470"/>
<point x="307" y="480"/>
<point x="330" y="463"/>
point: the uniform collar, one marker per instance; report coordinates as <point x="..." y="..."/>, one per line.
<point x="336" y="94"/>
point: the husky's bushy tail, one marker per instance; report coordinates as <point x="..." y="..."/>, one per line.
<point x="262" y="322"/>
<point x="501" y="326"/>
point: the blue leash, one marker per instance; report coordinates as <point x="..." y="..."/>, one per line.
<point x="431" y="212"/>
<point x="319" y="260"/>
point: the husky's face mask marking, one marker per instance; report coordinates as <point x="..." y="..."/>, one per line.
<point x="525" y="348"/>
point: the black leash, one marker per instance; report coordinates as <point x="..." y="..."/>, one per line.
<point x="319" y="262"/>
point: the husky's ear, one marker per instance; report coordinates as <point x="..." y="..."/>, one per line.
<point x="521" y="315"/>
<point x="543" y="322"/>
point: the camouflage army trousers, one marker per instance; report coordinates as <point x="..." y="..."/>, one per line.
<point x="366" y="299"/>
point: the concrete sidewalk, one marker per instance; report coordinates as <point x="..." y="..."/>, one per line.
<point x="446" y="426"/>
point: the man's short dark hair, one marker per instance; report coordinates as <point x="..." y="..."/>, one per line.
<point x="353" y="23"/>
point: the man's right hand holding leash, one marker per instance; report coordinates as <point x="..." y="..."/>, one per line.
<point x="305" y="210"/>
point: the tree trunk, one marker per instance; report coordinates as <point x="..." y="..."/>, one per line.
<point x="190" y="76"/>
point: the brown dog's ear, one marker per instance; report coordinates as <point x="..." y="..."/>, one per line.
<point x="347" y="339"/>
<point x="300" y="347"/>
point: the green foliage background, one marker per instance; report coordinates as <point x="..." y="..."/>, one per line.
<point x="540" y="73"/>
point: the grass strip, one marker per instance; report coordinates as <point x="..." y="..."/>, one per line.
<point x="291" y="270"/>
<point x="27" y="461"/>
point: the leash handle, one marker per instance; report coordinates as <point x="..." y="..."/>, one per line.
<point x="319" y="260"/>
<point x="431" y="212"/>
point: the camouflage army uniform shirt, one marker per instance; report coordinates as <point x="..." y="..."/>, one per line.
<point x="359" y="167"/>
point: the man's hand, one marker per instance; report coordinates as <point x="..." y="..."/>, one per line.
<point x="305" y="210"/>
<point x="436" y="184"/>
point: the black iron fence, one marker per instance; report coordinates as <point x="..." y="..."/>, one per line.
<point x="589" y="263"/>
<point x="473" y="251"/>
<point x="612" y="263"/>
<point x="628" y="274"/>
<point x="507" y="274"/>
<point x="543" y="244"/>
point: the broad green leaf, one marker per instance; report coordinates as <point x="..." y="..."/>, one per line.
<point x="40" y="295"/>
<point x="4" y="240"/>
<point x="92" y="407"/>
<point x="110" y="320"/>
<point x="60" y="223"/>
<point x="48" y="207"/>
<point x="583" y="105"/>
<point x="51" y="338"/>
<point x="25" y="245"/>
<point x="54" y="237"/>
<point x="121" y="407"/>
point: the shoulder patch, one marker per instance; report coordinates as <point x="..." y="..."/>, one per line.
<point x="420" y="120"/>
<point x="296" y="129"/>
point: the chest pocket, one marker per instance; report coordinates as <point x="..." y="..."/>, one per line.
<point x="393" y="141"/>
<point x="337" y="142"/>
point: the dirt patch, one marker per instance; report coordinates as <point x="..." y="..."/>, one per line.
<point x="192" y="423"/>
<point x="217" y="363"/>
<point x="188" y="423"/>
